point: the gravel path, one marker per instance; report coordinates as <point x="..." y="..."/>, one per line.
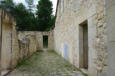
<point x="45" y="64"/>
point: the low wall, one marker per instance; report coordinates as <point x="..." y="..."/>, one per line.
<point x="27" y="46"/>
<point x="38" y="38"/>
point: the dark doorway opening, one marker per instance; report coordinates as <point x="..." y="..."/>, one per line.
<point x="45" y="41"/>
<point x="83" y="45"/>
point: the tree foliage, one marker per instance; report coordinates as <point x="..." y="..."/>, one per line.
<point x="8" y="5"/>
<point x="51" y="23"/>
<point x="30" y="4"/>
<point x="44" y="14"/>
<point x="27" y="20"/>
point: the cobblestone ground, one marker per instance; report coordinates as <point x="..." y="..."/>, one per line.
<point x="45" y="64"/>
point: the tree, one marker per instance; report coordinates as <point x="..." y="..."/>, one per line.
<point x="30" y="4"/>
<point x="7" y="5"/>
<point x="26" y="20"/>
<point x="51" y="23"/>
<point x="44" y="14"/>
<point x="20" y="15"/>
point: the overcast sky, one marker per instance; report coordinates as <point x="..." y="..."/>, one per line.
<point x="36" y="1"/>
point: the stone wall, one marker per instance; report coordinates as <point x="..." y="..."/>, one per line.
<point x="0" y="35"/>
<point x="7" y="30"/>
<point x="27" y="46"/>
<point x="72" y="13"/>
<point x="38" y="38"/>
<point x="16" y="46"/>
<point x="110" y="19"/>
<point x="12" y="48"/>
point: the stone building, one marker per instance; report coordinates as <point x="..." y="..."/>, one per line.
<point x="84" y="35"/>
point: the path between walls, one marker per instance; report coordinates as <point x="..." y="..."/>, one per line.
<point x="46" y="63"/>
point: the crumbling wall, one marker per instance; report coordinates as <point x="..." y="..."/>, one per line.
<point x="38" y="38"/>
<point x="27" y="46"/>
<point x="12" y="48"/>
<point x="8" y="23"/>
<point x="15" y="48"/>
<point x="70" y="14"/>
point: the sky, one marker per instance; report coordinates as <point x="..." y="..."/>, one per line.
<point x="36" y="2"/>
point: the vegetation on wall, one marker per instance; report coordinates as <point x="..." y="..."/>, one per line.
<point x="27" y="20"/>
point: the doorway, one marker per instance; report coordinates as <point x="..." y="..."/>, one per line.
<point x="45" y="41"/>
<point x="83" y="45"/>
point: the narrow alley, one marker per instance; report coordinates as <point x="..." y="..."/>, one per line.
<point x="45" y="64"/>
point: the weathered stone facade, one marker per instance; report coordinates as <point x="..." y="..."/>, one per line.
<point x="110" y="19"/>
<point x="7" y="24"/>
<point x="79" y="24"/>
<point x="38" y="38"/>
<point x="8" y="41"/>
<point x="70" y="15"/>
<point x="12" y="50"/>
<point x="16" y="46"/>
